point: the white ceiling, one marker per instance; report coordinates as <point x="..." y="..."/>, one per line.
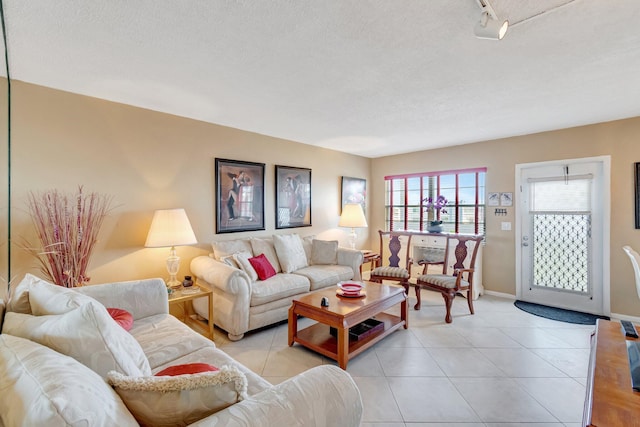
<point x="368" y="77"/>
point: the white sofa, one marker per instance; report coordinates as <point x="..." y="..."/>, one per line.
<point x="42" y="386"/>
<point x="243" y="303"/>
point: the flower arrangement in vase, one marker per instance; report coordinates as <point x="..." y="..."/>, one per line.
<point x="67" y="227"/>
<point x="434" y="208"/>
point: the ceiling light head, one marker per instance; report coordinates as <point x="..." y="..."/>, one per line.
<point x="490" y="26"/>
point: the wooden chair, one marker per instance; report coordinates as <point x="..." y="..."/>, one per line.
<point x="462" y="278"/>
<point x="399" y="266"/>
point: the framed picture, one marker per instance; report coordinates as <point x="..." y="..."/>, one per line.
<point x="493" y="199"/>
<point x="506" y="199"/>
<point x="239" y="196"/>
<point x="354" y="190"/>
<point x="293" y="197"/>
<point x="637" y="167"/>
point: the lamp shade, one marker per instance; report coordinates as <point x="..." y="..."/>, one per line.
<point x="352" y="216"/>
<point x="170" y="227"/>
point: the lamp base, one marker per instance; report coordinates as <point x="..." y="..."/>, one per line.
<point x="173" y="283"/>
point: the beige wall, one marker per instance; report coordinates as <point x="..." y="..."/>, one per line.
<point x="619" y="139"/>
<point x="147" y="161"/>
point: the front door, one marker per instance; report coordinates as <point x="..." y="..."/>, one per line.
<point x="562" y="229"/>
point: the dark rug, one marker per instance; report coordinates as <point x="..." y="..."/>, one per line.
<point x="560" y="314"/>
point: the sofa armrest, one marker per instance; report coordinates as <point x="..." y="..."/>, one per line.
<point x="141" y="298"/>
<point x="220" y="275"/>
<point x="323" y="396"/>
<point x="352" y="258"/>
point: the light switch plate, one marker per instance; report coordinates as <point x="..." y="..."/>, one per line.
<point x="506" y="226"/>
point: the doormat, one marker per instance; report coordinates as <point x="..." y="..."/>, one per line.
<point x="559" y="314"/>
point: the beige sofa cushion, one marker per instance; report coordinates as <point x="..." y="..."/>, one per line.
<point x="19" y="297"/>
<point x="324" y="252"/>
<point x="47" y="298"/>
<point x="168" y="401"/>
<point x="280" y="286"/>
<point x="40" y="387"/>
<point x="290" y="252"/>
<point x="265" y="246"/>
<point x="230" y="247"/>
<point x="242" y="259"/>
<point x="322" y="276"/>
<point x="88" y="334"/>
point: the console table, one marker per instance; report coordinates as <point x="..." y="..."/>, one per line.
<point x="610" y="400"/>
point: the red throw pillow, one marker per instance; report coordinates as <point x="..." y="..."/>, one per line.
<point x="262" y="266"/>
<point x="122" y="317"/>
<point x="189" y="368"/>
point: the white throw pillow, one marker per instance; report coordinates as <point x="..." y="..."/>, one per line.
<point x="179" y="400"/>
<point x="88" y="334"/>
<point x="290" y="252"/>
<point x="324" y="252"/>
<point x="242" y="259"/>
<point x="41" y="387"/>
<point x="265" y="246"/>
<point x="46" y="298"/>
<point x="19" y="298"/>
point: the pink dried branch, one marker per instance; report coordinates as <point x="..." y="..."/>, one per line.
<point x="67" y="228"/>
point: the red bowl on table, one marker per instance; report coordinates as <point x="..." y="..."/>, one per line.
<point x="352" y="289"/>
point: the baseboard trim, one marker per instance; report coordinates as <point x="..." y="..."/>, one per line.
<point x="500" y="294"/>
<point x="632" y="319"/>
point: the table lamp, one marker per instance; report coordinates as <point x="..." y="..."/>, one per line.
<point x="170" y="228"/>
<point x="352" y="216"/>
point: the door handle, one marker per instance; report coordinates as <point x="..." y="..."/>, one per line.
<point x="525" y="244"/>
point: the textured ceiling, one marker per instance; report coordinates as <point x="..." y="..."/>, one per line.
<point x="368" y="77"/>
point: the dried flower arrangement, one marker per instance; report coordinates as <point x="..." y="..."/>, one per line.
<point x="67" y="227"/>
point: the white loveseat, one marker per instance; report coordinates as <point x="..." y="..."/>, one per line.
<point x="243" y="303"/>
<point x="40" y="385"/>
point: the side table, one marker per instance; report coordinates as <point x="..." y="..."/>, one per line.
<point x="179" y="297"/>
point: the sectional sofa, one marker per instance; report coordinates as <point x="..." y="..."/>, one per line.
<point x="65" y="361"/>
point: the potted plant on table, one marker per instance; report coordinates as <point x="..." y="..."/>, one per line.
<point x="67" y="227"/>
<point x="434" y="208"/>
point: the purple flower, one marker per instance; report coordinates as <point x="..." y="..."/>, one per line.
<point x="437" y="205"/>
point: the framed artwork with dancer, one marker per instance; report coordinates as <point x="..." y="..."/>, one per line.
<point x="354" y="190"/>
<point x="293" y="197"/>
<point x="239" y="196"/>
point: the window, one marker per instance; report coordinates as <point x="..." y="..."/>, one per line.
<point x="464" y="189"/>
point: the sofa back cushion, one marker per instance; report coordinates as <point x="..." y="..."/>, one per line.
<point x="242" y="259"/>
<point x="41" y="387"/>
<point x="180" y="400"/>
<point x="324" y="252"/>
<point x="46" y="298"/>
<point x="19" y="296"/>
<point x="290" y="252"/>
<point x="88" y="334"/>
<point x="230" y="247"/>
<point x="265" y="246"/>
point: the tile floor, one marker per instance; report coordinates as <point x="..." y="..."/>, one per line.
<point x="500" y="367"/>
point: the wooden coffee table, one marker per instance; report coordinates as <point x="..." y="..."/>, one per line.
<point x="342" y="314"/>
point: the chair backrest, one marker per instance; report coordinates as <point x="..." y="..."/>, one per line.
<point x="635" y="262"/>
<point x="461" y="251"/>
<point x="398" y="245"/>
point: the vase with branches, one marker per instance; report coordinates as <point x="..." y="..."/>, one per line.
<point x="67" y="227"/>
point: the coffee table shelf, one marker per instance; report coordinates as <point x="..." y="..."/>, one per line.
<point x="342" y="314"/>
<point x="317" y="338"/>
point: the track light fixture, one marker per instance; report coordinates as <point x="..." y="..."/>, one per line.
<point x="490" y="26"/>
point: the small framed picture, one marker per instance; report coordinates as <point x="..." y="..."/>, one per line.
<point x="293" y="197"/>
<point x="493" y="199"/>
<point x="506" y="199"/>
<point x="354" y="190"/>
<point x="239" y="196"/>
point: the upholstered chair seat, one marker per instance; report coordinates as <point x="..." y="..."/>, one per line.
<point x="399" y="272"/>
<point x="443" y="281"/>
